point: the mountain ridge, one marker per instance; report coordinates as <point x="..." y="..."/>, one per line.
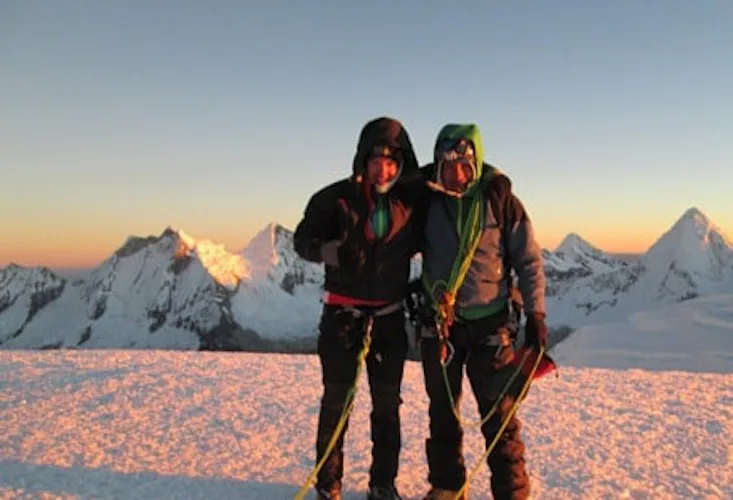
<point x="193" y="293"/>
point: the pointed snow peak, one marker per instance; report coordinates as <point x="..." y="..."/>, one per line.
<point x="576" y="253"/>
<point x="572" y="243"/>
<point x="181" y="236"/>
<point x="262" y="248"/>
<point x="692" y="227"/>
<point x="695" y="213"/>
<point x="693" y="219"/>
<point x="693" y="244"/>
<point x="268" y="242"/>
<point x="270" y="253"/>
<point x="282" y="232"/>
<point x="182" y="242"/>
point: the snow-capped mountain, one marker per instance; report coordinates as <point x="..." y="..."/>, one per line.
<point x="574" y="259"/>
<point x="691" y="259"/>
<point x="281" y="300"/>
<point x="169" y="291"/>
<point x="576" y="249"/>
<point x="24" y="292"/>
<point x="174" y="291"/>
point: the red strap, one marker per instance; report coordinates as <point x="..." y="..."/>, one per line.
<point x="334" y="299"/>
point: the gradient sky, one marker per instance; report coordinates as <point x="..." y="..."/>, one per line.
<point x="119" y="118"/>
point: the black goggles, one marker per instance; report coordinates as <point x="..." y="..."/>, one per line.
<point x="461" y="147"/>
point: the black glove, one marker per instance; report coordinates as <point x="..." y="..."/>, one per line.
<point x="329" y="253"/>
<point x="535" y="331"/>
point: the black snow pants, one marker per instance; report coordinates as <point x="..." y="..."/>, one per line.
<point x="478" y="347"/>
<point x="339" y="342"/>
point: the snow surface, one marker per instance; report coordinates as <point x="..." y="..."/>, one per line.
<point x="171" y="424"/>
<point x="695" y="336"/>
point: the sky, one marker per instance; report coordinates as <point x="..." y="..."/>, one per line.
<point x="120" y="118"/>
<point x="631" y="415"/>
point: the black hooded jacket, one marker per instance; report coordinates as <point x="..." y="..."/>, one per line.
<point x="380" y="268"/>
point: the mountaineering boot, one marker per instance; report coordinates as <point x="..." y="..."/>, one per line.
<point x="383" y="493"/>
<point x="443" y="494"/>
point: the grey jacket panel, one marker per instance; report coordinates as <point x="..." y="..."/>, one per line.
<point x="486" y="282"/>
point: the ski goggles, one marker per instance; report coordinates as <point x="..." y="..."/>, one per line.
<point x="454" y="148"/>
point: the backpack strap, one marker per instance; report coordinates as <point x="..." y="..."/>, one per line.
<point x="498" y="191"/>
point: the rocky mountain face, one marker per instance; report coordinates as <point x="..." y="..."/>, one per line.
<point x="172" y="291"/>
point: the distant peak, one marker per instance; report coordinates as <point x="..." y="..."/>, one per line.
<point x="695" y="214"/>
<point x="693" y="220"/>
<point x="134" y="244"/>
<point x="276" y="229"/>
<point x="181" y="235"/>
<point x="693" y="243"/>
<point x="572" y="241"/>
<point x="22" y="270"/>
<point x="571" y="237"/>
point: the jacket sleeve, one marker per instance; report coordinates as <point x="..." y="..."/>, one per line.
<point x="525" y="257"/>
<point x="419" y="201"/>
<point x="318" y="225"/>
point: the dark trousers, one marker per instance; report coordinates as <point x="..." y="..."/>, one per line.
<point x="488" y="373"/>
<point x="339" y="343"/>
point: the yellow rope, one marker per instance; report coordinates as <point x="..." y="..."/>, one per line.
<point x="348" y="406"/>
<point x="492" y="410"/>
<point x="506" y="421"/>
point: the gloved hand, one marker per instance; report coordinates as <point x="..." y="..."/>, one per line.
<point x="345" y="254"/>
<point x="535" y="331"/>
<point x="329" y="253"/>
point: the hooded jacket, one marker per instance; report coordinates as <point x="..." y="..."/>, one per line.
<point x="341" y="211"/>
<point x="506" y="238"/>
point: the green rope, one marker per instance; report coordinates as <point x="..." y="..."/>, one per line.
<point x="505" y="423"/>
<point x="468" y="242"/>
<point x="480" y="423"/>
<point x="348" y="406"/>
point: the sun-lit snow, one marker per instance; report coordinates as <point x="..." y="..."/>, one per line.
<point x="652" y="423"/>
